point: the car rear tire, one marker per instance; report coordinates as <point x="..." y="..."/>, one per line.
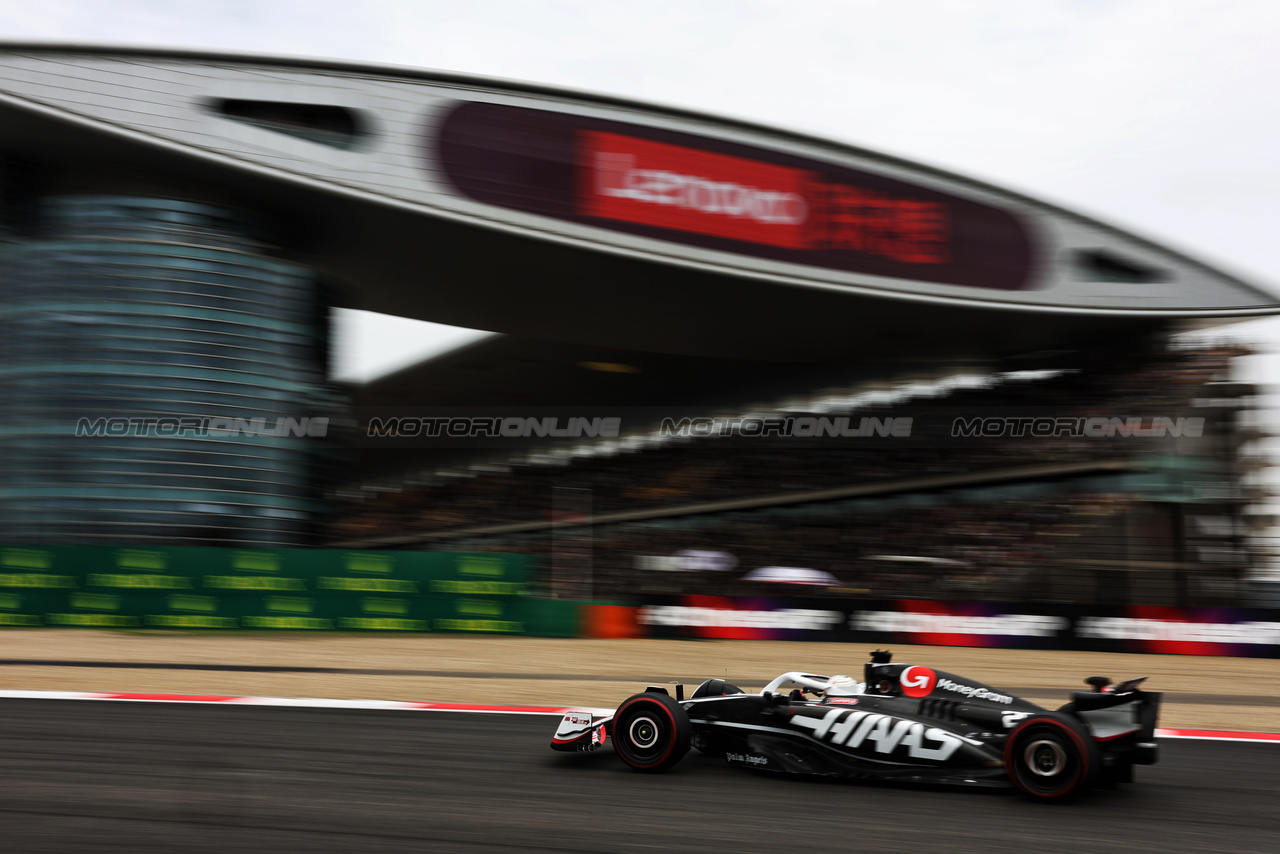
<point x="651" y="732"/>
<point x="1049" y="757"/>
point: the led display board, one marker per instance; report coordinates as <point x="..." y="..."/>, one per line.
<point x="715" y="194"/>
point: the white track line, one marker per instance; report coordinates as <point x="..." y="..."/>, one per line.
<point x="480" y="709"/>
<point x="301" y="702"/>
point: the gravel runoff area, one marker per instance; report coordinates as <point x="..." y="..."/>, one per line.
<point x="1216" y="693"/>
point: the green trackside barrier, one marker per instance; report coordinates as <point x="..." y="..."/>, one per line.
<point x="275" y="589"/>
<point x="551" y="618"/>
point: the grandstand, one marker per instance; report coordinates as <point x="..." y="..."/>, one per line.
<point x="1109" y="519"/>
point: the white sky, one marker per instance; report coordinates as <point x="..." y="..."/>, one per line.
<point x="1157" y="115"/>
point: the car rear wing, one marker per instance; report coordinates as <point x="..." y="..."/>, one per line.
<point x="1122" y="719"/>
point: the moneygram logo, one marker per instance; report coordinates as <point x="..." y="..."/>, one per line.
<point x="974" y="692"/>
<point x="918" y="681"/>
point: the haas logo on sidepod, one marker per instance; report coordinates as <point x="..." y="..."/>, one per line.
<point x="871" y="733"/>
<point x="918" y="681"/>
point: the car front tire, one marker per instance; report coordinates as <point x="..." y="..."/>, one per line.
<point x="651" y="732"/>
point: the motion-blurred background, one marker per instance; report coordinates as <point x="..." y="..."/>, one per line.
<point x="1037" y="406"/>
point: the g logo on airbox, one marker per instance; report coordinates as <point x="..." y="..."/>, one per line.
<point x="918" y="681"/>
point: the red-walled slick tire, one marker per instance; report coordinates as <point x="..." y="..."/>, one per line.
<point x="1050" y="757"/>
<point x="651" y="732"/>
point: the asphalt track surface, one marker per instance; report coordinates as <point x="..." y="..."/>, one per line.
<point x="93" y="776"/>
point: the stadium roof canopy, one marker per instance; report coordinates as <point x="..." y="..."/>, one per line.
<point x="507" y="370"/>
<point x="553" y="214"/>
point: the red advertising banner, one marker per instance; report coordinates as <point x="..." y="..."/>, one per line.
<point x="687" y="189"/>
<point x="714" y="194"/>
<point x="1236" y="632"/>
<point x="671" y="186"/>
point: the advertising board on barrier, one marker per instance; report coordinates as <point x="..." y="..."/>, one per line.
<point x="1184" y="631"/>
<point x="388" y="591"/>
<point x="739" y="618"/>
<point x="874" y="621"/>
<point x="268" y="589"/>
<point x="958" y="624"/>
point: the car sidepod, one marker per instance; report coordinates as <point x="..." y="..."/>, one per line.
<point x="878" y="737"/>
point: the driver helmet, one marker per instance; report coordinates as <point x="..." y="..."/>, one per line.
<point x="844" y="686"/>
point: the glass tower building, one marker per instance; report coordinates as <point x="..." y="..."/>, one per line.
<point x="162" y="375"/>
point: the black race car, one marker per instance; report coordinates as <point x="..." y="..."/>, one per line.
<point x="903" y="722"/>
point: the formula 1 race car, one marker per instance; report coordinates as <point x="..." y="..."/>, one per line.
<point x="903" y="722"/>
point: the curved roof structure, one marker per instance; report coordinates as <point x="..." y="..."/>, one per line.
<point x="561" y="215"/>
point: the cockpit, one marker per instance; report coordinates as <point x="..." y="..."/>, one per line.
<point x="822" y="687"/>
<point x="844" y="686"/>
